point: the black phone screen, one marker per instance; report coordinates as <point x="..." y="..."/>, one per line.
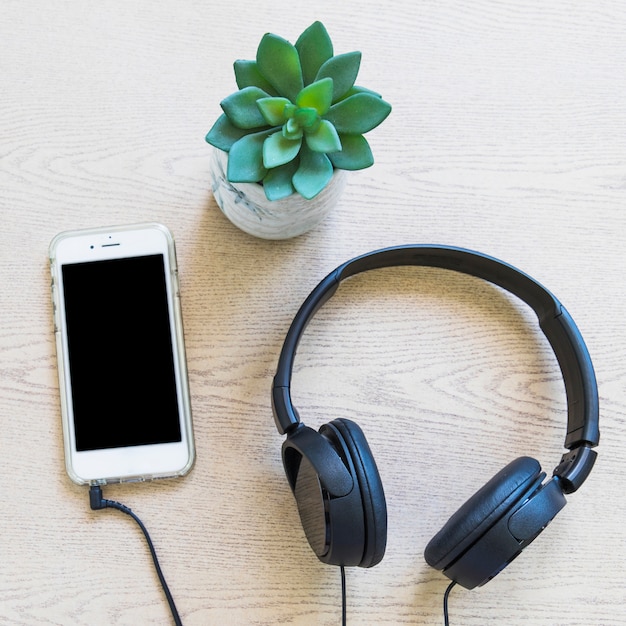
<point x="120" y="353"/>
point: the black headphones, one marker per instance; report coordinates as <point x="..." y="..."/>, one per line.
<point x="334" y="477"/>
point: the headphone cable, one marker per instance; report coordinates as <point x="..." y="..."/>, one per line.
<point x="96" y="501"/>
<point x="343" y="596"/>
<point x="446" y="619"/>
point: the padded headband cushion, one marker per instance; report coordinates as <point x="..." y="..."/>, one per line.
<point x="372" y="494"/>
<point x="481" y="511"/>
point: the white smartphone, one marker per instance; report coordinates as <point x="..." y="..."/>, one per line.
<point x="122" y="370"/>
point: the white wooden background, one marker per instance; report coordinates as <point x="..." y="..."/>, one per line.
<point x="508" y="136"/>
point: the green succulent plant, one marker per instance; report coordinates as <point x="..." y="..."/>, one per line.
<point x="297" y="116"/>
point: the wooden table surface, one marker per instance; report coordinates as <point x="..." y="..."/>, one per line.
<point x="508" y="136"/>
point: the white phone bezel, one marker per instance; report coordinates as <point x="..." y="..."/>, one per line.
<point x="134" y="463"/>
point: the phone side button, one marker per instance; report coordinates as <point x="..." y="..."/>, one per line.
<point x="55" y="311"/>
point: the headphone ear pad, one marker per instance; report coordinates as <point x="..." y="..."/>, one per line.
<point x="481" y="512"/>
<point x="368" y="481"/>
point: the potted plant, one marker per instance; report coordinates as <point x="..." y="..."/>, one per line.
<point x="286" y="137"/>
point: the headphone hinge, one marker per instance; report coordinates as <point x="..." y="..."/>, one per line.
<point x="575" y="466"/>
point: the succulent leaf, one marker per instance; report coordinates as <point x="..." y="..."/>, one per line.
<point x="318" y="96"/>
<point x="358" y="114"/>
<point x="274" y="110"/>
<point x="324" y="138"/>
<point x="245" y="159"/>
<point x="277" y="184"/>
<point x="315" y="48"/>
<point x="356" y="89"/>
<point x="247" y="74"/>
<point x="223" y="134"/>
<point x="314" y="173"/>
<point x="279" y="62"/>
<point x="278" y="150"/>
<point x="306" y="117"/>
<point x="242" y="110"/>
<point x="355" y="153"/>
<point x="343" y="69"/>
<point x="292" y="130"/>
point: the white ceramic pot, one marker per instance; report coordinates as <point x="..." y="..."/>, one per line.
<point x="247" y="207"/>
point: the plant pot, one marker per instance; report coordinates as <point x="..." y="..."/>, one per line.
<point x="247" y="207"/>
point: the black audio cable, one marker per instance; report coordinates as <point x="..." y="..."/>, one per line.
<point x="96" y="501"/>
<point x="446" y="618"/>
<point x="344" y="601"/>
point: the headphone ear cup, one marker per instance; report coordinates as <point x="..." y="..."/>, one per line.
<point x="457" y="549"/>
<point x="349" y="437"/>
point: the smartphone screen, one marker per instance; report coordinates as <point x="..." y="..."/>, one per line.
<point x="120" y="353"/>
<point x="122" y="370"/>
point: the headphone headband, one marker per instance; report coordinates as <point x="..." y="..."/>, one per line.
<point x="555" y="322"/>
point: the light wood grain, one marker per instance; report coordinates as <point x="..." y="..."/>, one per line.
<point x="508" y="136"/>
